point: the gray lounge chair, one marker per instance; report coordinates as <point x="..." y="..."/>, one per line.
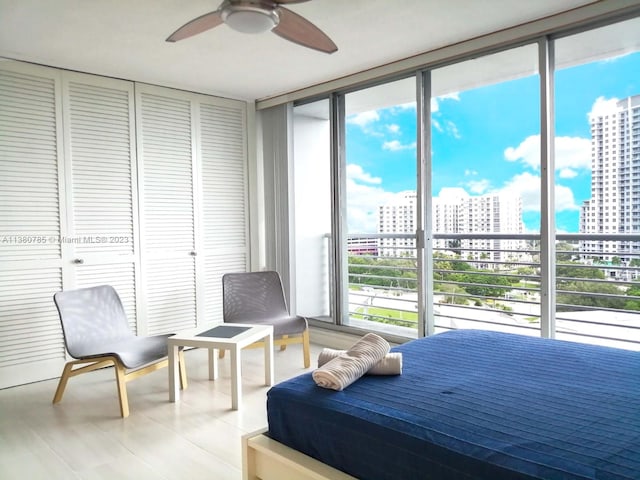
<point x="258" y="297"/>
<point x="97" y="335"/>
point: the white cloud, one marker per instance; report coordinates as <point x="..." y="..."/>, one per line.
<point x="478" y="186"/>
<point x="451" y="96"/>
<point x="395" y="145"/>
<point x="393" y="128"/>
<point x="570" y="153"/>
<point x="468" y="172"/>
<point x="565" y="199"/>
<point x="363" y="199"/>
<point x="528" y="152"/>
<point x="449" y="126"/>
<point x="453" y="129"/>
<point x="527" y="186"/>
<point x="356" y="173"/>
<point x="435" y="106"/>
<point x="435" y="101"/>
<point x="364" y="118"/>
<point x="602" y="107"/>
<point x="567" y="173"/>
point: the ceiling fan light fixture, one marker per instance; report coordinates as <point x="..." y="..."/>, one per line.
<point x="258" y="16"/>
<point x="249" y="19"/>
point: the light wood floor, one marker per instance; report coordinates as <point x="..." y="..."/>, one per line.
<point x="83" y="437"/>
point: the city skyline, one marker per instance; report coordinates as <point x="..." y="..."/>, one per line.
<point x="486" y="140"/>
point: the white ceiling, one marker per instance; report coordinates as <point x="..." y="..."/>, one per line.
<point x="125" y="39"/>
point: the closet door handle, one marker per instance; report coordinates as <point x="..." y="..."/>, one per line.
<point x="78" y="261"/>
<point x="193" y="253"/>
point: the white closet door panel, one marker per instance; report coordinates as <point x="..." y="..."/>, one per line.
<point x="171" y="299"/>
<point x="31" y="345"/>
<point x="101" y="151"/>
<point x="223" y="159"/>
<point x="166" y="143"/>
<point x="122" y="277"/>
<point x="26" y="295"/>
<point x="29" y="193"/>
<point x="224" y="184"/>
<point x="166" y="154"/>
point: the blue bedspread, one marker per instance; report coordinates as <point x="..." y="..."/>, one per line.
<point x="474" y="404"/>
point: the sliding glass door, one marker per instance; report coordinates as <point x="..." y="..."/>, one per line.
<point x="485" y="153"/>
<point x="597" y="152"/>
<point x="379" y="249"/>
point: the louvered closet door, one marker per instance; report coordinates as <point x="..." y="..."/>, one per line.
<point x="165" y="155"/>
<point x="223" y="165"/>
<point x="31" y="345"/>
<point x="100" y="160"/>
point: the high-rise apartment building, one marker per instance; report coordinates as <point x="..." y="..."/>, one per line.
<point x="614" y="206"/>
<point x="455" y="211"/>
<point x="398" y="218"/>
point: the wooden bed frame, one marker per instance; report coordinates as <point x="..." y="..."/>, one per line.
<point x="266" y="459"/>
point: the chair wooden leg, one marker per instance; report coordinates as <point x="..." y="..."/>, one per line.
<point x="183" y="370"/>
<point x="122" y="389"/>
<point x="122" y="377"/>
<point x="62" y="384"/>
<point x="284" y="345"/>
<point x="306" y="351"/>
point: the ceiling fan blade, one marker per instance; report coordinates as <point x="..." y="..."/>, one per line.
<point x="283" y="2"/>
<point x="299" y="30"/>
<point x="197" y="25"/>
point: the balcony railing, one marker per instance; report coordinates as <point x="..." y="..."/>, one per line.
<point x="492" y="281"/>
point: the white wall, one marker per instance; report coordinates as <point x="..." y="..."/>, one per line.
<point x="312" y="183"/>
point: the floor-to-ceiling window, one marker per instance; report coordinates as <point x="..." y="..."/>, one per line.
<point x="597" y="159"/>
<point x="485" y="154"/>
<point x="379" y="188"/>
<point x="526" y="173"/>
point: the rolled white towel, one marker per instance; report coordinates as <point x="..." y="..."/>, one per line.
<point x="349" y="366"/>
<point x="391" y="364"/>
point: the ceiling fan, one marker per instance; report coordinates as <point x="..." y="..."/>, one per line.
<point x="258" y="16"/>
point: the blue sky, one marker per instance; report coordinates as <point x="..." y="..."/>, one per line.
<point x="486" y="140"/>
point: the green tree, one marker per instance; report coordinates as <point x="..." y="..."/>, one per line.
<point x="382" y="272"/>
<point x="581" y="293"/>
<point x="564" y="251"/>
<point x="454" y="245"/>
<point x="577" y="270"/>
<point x="450" y="290"/>
<point x="490" y="286"/>
<point x="634" y="290"/>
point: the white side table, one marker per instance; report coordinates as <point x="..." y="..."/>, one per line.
<point x="228" y="336"/>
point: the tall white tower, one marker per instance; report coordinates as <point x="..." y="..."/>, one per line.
<point x="614" y="206"/>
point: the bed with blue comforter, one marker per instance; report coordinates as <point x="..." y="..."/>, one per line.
<point x="474" y="404"/>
